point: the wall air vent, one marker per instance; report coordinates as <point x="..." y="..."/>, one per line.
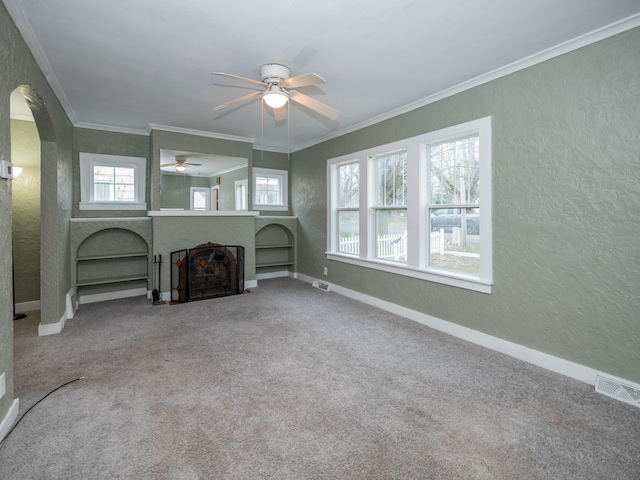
<point x="324" y="286"/>
<point x="624" y="391"/>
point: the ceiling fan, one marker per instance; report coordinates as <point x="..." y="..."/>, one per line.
<point x="279" y="88"/>
<point x="181" y="163"/>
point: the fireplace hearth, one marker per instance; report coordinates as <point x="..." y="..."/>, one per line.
<point x="207" y="271"/>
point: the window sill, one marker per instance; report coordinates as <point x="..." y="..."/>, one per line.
<point x="445" y="278"/>
<point x="264" y="208"/>
<point x="112" y="206"/>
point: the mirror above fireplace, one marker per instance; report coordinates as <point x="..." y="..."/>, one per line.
<point x="202" y="181"/>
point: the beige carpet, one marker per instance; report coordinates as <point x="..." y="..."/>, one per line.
<point x="289" y="382"/>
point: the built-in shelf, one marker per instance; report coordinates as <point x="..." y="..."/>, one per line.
<point x="275" y="246"/>
<point x="104" y="281"/>
<point x="274" y="264"/>
<point x="111" y="256"/>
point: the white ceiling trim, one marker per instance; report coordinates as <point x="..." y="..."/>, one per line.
<point x="108" y="128"/>
<point x="200" y="133"/>
<point x="566" y="47"/>
<point x="20" y="19"/>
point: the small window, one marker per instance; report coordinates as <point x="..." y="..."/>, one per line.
<point x="270" y="189"/>
<point x="200" y="198"/>
<point x="112" y="182"/>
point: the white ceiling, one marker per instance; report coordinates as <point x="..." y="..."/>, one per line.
<point x="135" y="65"/>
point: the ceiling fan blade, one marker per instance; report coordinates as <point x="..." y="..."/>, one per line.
<point x="314" y="104"/>
<point x="167" y="165"/>
<point x="193" y="164"/>
<point x="280" y="114"/>
<point x="237" y="100"/>
<point x="221" y="74"/>
<point x="303" y="80"/>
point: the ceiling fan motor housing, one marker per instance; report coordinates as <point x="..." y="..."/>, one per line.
<point x="274" y="73"/>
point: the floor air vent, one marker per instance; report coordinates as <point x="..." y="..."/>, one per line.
<point x="619" y="390"/>
<point x="324" y="286"/>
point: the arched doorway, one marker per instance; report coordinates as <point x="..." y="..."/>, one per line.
<point x="31" y="129"/>
<point x="25" y="205"/>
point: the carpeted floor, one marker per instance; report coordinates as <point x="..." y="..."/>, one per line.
<point x="289" y="382"/>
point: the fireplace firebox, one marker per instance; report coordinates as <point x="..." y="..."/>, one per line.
<point x="207" y="271"/>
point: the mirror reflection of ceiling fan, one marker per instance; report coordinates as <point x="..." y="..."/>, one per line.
<point x="181" y="163"/>
<point x="279" y="89"/>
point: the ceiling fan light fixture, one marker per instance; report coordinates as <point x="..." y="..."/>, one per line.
<point x="180" y="168"/>
<point x="275" y="97"/>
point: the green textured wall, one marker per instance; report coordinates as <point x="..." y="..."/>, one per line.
<point x="25" y="153"/>
<point x="17" y="67"/>
<point x="566" y="197"/>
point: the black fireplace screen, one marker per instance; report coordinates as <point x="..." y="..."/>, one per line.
<point x="207" y="271"/>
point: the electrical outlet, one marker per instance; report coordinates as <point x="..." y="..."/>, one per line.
<point x="326" y="271"/>
<point x="3" y="386"/>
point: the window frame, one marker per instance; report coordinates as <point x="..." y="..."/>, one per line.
<point x="283" y="176"/>
<point x="418" y="235"/>
<point x="207" y="191"/>
<point x="87" y="197"/>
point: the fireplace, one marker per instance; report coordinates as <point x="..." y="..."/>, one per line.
<point x="207" y="271"/>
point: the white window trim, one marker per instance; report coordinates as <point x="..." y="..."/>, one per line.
<point x="89" y="160"/>
<point x="417" y="257"/>
<point x="205" y="190"/>
<point x="245" y="199"/>
<point x="270" y="172"/>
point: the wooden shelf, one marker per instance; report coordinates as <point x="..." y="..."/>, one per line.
<point x="111" y="256"/>
<point x="273" y="246"/>
<point x="104" y="281"/>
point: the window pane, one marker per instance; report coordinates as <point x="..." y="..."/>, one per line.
<point x="391" y="185"/>
<point x="103" y="192"/>
<point x="268" y="191"/>
<point x="455" y="171"/>
<point x="391" y="234"/>
<point x="348" y="185"/>
<point x="348" y="228"/>
<point x="452" y="247"/>
<point x="199" y="200"/>
<point x="113" y="184"/>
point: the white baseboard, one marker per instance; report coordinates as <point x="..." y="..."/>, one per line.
<point x="515" y="350"/>
<point x="9" y="419"/>
<point x="52" y="328"/>
<point x="250" y="283"/>
<point x="101" y="297"/>
<point x="280" y="274"/>
<point x="27" y="306"/>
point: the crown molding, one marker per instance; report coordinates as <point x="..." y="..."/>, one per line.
<point x="556" y="51"/>
<point x="271" y="149"/>
<point x="199" y="133"/>
<point x="23" y="25"/>
<point x="110" y="128"/>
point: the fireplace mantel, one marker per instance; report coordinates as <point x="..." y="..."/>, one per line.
<point x="202" y="213"/>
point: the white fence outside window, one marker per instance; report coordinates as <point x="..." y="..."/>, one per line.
<point x="391" y="247"/>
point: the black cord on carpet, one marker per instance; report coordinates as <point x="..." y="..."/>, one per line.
<point x="29" y="409"/>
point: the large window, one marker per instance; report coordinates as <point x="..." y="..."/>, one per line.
<point x="270" y="189"/>
<point x="347" y="211"/>
<point x="414" y="207"/>
<point x="111" y="182"/>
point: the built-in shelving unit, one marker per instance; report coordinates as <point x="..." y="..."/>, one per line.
<point x="111" y="258"/>
<point x="275" y="245"/>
